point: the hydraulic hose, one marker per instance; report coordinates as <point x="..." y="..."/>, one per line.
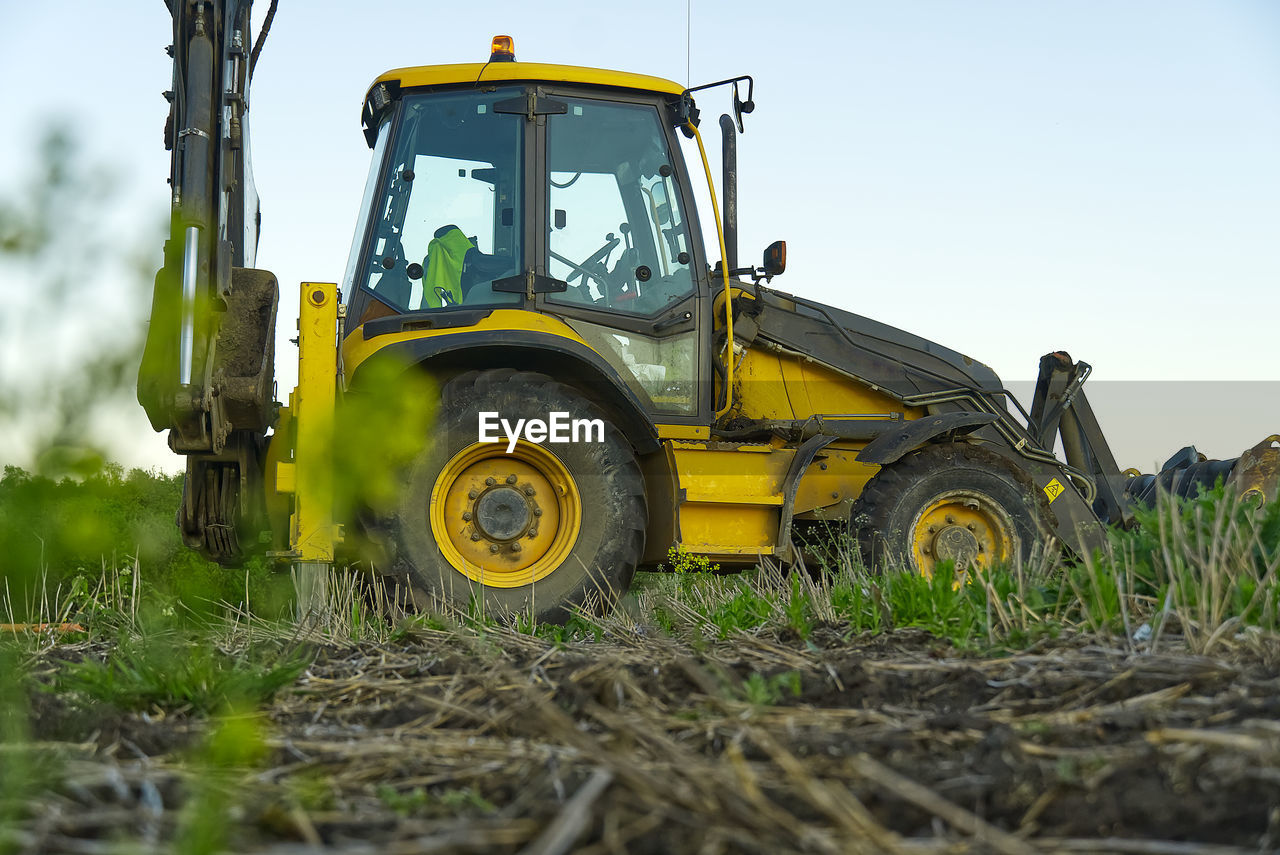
<point x="724" y="269"/>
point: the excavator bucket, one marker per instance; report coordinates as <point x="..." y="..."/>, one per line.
<point x="1257" y="473"/>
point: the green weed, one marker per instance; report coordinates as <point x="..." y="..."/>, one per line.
<point x="422" y="802"/>
<point x="688" y="562"/>
<point x="164" y="673"/>
<point x="759" y="690"/>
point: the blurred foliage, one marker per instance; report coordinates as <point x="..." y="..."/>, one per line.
<point x="384" y="425"/>
<point x="235" y="746"/>
<point x="63" y="268"/>
<point x="63" y="536"/>
<point x="72" y="526"/>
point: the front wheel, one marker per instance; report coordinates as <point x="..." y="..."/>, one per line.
<point x="542" y="528"/>
<point x="957" y="503"/>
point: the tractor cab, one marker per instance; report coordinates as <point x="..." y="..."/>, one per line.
<point x="505" y="186"/>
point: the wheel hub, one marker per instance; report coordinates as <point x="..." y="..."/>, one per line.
<point x="505" y="520"/>
<point x="966" y="527"/>
<point x="502" y="513"/>
<point x="958" y="544"/>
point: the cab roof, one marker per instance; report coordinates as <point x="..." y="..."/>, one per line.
<point x="493" y="72"/>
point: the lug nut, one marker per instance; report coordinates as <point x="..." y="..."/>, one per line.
<point x="511" y="479"/>
<point x="537" y="512"/>
<point x="472" y="494"/>
<point x="528" y="490"/>
<point x="932" y="529"/>
<point x="515" y="547"/>
<point x="466" y="516"/>
<point x="493" y="547"/>
<point x="951" y="520"/>
<point x="489" y="482"/>
<point x="971" y="527"/>
<point x="925" y="550"/>
<point x="475" y="535"/>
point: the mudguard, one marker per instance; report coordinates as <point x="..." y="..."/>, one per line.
<point x="892" y="445"/>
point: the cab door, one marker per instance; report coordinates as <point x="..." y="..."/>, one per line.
<point x="617" y="229"/>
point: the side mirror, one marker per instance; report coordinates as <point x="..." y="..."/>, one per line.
<point x="775" y="258"/>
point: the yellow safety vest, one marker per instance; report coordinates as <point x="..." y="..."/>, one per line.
<point x="443" y="264"/>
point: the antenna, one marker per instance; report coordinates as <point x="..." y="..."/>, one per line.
<point x="688" y="51"/>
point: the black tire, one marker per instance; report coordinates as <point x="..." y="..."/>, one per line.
<point x="602" y="557"/>
<point x="956" y="501"/>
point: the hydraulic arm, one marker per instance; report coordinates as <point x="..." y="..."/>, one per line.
<point x="207" y="373"/>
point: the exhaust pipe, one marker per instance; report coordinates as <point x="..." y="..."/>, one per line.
<point x="729" y="165"/>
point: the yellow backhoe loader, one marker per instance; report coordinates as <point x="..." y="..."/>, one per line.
<point x="530" y="267"/>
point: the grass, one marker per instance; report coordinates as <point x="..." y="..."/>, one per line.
<point x="102" y="550"/>
<point x="168" y="673"/>
<point x="1207" y="569"/>
<point x="1197" y="576"/>
<point x="1204" y="570"/>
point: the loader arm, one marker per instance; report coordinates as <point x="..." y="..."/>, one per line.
<point x="207" y="372"/>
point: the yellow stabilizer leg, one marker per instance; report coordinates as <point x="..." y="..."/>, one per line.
<point x="312" y="532"/>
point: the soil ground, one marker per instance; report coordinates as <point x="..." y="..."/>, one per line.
<point x="500" y="742"/>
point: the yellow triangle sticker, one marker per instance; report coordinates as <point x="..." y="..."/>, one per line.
<point x="1053" y="490"/>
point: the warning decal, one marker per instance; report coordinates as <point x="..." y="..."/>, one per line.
<point x="1053" y="490"/>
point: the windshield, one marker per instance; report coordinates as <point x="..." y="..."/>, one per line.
<point x="448" y="218"/>
<point x="370" y="187"/>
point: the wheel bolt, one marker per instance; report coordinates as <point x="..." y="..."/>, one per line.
<point x="528" y="490"/>
<point x="493" y="547"/>
<point x="466" y="516"/>
<point x="925" y="550"/>
<point x="537" y="512"/>
<point x="472" y="494"/>
<point x="489" y="482"/>
<point x="511" y="479"/>
<point x="971" y="527"/>
<point x="515" y="547"/>
<point x="475" y="535"/>
<point x="951" y="520"/>
<point x="932" y="529"/>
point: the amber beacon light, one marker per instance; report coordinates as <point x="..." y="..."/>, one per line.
<point x="503" y="49"/>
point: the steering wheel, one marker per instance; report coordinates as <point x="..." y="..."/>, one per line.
<point x="594" y="265"/>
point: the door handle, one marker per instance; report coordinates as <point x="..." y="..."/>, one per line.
<point x="671" y="321"/>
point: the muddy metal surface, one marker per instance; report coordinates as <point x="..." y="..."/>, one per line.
<point x="499" y="742"/>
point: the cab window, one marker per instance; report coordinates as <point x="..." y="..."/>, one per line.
<point x="617" y="233"/>
<point x="448" y="221"/>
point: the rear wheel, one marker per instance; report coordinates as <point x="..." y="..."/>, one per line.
<point x="957" y="503"/>
<point x="543" y="529"/>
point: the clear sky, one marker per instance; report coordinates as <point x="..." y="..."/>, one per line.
<point x="1006" y="178"/>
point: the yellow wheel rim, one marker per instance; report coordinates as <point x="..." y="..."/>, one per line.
<point x="966" y="527"/>
<point x="505" y="520"/>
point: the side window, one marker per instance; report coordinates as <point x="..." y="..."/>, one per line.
<point x="617" y="232"/>
<point x="449" y="221"/>
<point x="661" y="372"/>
